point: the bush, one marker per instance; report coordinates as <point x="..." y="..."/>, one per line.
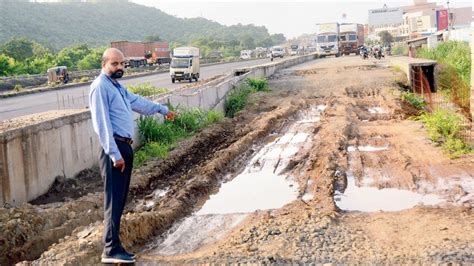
<point x="151" y="149"/>
<point x="165" y="135"/>
<point x="238" y="98"/>
<point x="444" y="126"/>
<point x="453" y="71"/>
<point x="258" y="84"/>
<point x="417" y="102"/>
<point x="400" y="49"/>
<point x="146" y="89"/>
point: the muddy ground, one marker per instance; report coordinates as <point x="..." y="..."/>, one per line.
<point x="362" y="137"/>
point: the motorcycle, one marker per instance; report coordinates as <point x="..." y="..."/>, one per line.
<point x="363" y="52"/>
<point x="377" y="52"/>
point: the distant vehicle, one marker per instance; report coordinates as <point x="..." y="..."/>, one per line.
<point x="363" y="52"/>
<point x="260" y="52"/>
<point x="351" y="36"/>
<point x="246" y="54"/>
<point x="277" y="51"/>
<point x="311" y="49"/>
<point x="185" y="64"/>
<point x="327" y="39"/>
<point x="143" y="53"/>
<point x="294" y="49"/>
<point x="58" y="75"/>
<point x="215" y="55"/>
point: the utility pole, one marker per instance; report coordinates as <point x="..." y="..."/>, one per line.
<point x="449" y="22"/>
<point x="472" y="79"/>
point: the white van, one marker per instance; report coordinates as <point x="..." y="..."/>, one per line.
<point x="185" y="64"/>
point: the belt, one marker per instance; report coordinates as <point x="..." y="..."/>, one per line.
<point x="122" y="139"/>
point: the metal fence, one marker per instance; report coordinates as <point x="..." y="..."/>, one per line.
<point x="423" y="82"/>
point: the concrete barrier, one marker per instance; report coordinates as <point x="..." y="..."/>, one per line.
<point x="411" y="66"/>
<point x="31" y="157"/>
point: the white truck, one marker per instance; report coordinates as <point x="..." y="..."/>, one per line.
<point x="185" y="64"/>
<point x="294" y="49"/>
<point x="327" y="39"/>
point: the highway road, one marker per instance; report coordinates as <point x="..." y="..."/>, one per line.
<point x="77" y="97"/>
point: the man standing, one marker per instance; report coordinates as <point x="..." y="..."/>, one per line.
<point x="111" y="108"/>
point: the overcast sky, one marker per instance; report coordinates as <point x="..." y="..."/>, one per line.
<point x="289" y="18"/>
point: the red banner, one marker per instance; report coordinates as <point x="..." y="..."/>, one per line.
<point x="442" y="19"/>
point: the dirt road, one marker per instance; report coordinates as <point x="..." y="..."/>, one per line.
<point x="325" y="168"/>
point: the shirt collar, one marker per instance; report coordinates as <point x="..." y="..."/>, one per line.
<point x="114" y="82"/>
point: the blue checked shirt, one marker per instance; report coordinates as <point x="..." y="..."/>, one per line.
<point x="111" y="108"/>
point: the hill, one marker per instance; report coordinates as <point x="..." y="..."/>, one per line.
<point x="57" y="25"/>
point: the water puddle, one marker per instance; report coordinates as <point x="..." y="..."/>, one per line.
<point x="456" y="189"/>
<point x="366" y="148"/>
<point x="377" y="110"/>
<point x="194" y="232"/>
<point x="260" y="186"/>
<point x="371" y="199"/>
<point x="363" y="196"/>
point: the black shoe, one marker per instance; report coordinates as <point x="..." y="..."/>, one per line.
<point x="117" y="258"/>
<point x="131" y="255"/>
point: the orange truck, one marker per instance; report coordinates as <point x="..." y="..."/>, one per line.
<point x="143" y="53"/>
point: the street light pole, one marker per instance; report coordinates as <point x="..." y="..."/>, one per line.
<point x="449" y="23"/>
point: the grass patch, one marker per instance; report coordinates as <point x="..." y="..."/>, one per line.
<point x="18" y="88"/>
<point x="417" y="102"/>
<point x="238" y="98"/>
<point x="161" y="137"/>
<point x="152" y="149"/>
<point x="400" y="49"/>
<point x="453" y="73"/>
<point x="146" y="89"/>
<point x="444" y="126"/>
<point x="397" y="69"/>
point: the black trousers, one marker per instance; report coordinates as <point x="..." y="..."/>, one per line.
<point x="116" y="185"/>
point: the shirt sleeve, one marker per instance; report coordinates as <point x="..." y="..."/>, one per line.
<point x="101" y="122"/>
<point x="145" y="106"/>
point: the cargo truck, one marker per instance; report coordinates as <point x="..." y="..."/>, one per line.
<point x="185" y="64"/>
<point x="294" y="49"/>
<point x="327" y="39"/>
<point x="143" y="53"/>
<point x="351" y="37"/>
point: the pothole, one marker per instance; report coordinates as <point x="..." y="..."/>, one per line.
<point x="371" y="199"/>
<point x="376" y="189"/>
<point x="262" y="185"/>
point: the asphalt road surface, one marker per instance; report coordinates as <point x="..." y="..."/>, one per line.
<point x="77" y="97"/>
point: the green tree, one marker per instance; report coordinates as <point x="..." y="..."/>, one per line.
<point x="385" y="37"/>
<point x="6" y="65"/>
<point x="18" y="48"/>
<point x="40" y="51"/>
<point x="92" y="60"/>
<point x="247" y="42"/>
<point x="278" y="38"/>
<point x="70" y="56"/>
<point x="152" y="38"/>
<point x="267" y="42"/>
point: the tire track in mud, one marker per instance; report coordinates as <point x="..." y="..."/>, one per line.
<point x="363" y="118"/>
<point x="187" y="193"/>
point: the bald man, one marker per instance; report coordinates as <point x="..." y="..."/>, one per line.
<point x="111" y="107"/>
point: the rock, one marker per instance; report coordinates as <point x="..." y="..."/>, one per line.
<point x="71" y="215"/>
